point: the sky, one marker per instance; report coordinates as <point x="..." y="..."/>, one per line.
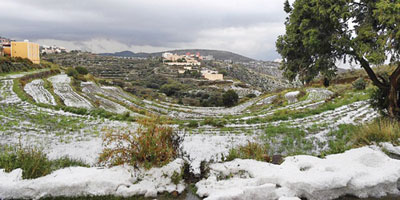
<point x="247" y="27"/>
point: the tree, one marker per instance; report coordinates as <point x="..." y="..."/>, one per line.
<point x="230" y="98"/>
<point x="321" y="33"/>
<point x="72" y="72"/>
<point x="82" y="70"/>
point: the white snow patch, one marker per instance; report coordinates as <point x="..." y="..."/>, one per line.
<point x="363" y="172"/>
<point x="80" y="181"/>
<point x="206" y="147"/>
<point x="61" y="85"/>
<point x="37" y="91"/>
<point x="292" y="96"/>
<point x="86" y="151"/>
<point x="391" y="148"/>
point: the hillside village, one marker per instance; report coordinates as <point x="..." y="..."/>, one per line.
<point x="208" y="129"/>
<point x="191" y="63"/>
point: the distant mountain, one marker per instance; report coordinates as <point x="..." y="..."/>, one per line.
<point x="218" y="55"/>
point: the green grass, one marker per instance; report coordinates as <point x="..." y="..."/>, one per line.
<point x="340" y="139"/>
<point x="249" y="151"/>
<point x="33" y="161"/>
<point x="380" y="130"/>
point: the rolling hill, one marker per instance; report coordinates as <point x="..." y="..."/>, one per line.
<point x="217" y="54"/>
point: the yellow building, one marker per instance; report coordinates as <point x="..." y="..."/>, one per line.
<point x="214" y="77"/>
<point x="7" y="50"/>
<point x="27" y="50"/>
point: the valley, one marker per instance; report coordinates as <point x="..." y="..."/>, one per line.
<point x="306" y="129"/>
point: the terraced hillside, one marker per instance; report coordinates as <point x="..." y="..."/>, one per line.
<point x="64" y="120"/>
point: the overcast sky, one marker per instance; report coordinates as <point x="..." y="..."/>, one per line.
<point x="247" y="27"/>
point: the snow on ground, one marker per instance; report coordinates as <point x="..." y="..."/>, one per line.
<point x="7" y="96"/>
<point x="363" y="172"/>
<point x="37" y="91"/>
<point x="206" y="147"/>
<point x="292" y="96"/>
<point x="61" y="85"/>
<point x="184" y="112"/>
<point x="354" y="172"/>
<point x="86" y="151"/>
<point x="92" y="90"/>
<point x="80" y="181"/>
<point x="391" y="148"/>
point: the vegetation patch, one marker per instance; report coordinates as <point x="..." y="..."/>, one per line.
<point x="380" y="130"/>
<point x="251" y="150"/>
<point x="153" y="144"/>
<point x="33" y="161"/>
<point x="9" y="64"/>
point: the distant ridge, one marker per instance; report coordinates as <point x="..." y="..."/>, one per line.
<point x="217" y="54"/>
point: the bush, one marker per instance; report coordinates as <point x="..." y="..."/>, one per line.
<point x="250" y="151"/>
<point x="171" y="89"/>
<point x="72" y="72"/>
<point x="193" y="124"/>
<point x="33" y="161"/>
<point x="153" y="144"/>
<point x="8" y="64"/>
<point x="230" y="98"/>
<point x="81" y="70"/>
<point x="381" y="130"/>
<point x="359" y="84"/>
<point x="251" y="95"/>
<point x="214" y="122"/>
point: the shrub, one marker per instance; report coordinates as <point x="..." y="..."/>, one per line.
<point x="359" y="84"/>
<point x="251" y="150"/>
<point x="279" y="100"/>
<point x="72" y="72"/>
<point x="193" y="124"/>
<point x="214" y="122"/>
<point x="251" y="95"/>
<point x="33" y="161"/>
<point x="82" y="70"/>
<point x="153" y="144"/>
<point x="171" y="89"/>
<point x="381" y="130"/>
<point x="230" y="98"/>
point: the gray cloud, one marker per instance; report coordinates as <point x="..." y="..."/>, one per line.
<point x="249" y="27"/>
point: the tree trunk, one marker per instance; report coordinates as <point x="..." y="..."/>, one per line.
<point x="394" y="110"/>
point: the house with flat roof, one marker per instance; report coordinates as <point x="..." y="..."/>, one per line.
<point x="23" y="49"/>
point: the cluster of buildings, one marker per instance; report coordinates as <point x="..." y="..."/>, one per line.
<point x="22" y="49"/>
<point x="190" y="62"/>
<point x="52" y="49"/>
<point x="212" y="75"/>
<point x="181" y="60"/>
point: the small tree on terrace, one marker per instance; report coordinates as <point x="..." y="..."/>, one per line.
<point x="230" y="98"/>
<point x="319" y="33"/>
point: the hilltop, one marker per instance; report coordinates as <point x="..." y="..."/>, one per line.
<point x="217" y="54"/>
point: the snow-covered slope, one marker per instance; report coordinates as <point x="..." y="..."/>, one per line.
<point x="62" y="88"/>
<point x="37" y="91"/>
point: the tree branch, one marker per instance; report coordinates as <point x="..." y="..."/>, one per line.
<point x="364" y="64"/>
<point x="395" y="76"/>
